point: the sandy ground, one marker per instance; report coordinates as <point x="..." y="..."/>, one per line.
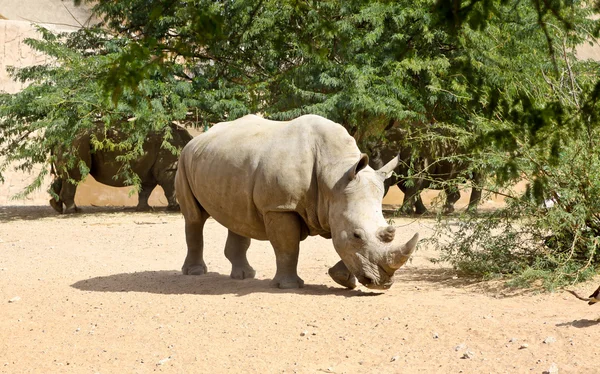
<point x="101" y="292"/>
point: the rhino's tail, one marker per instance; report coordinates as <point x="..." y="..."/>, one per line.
<point x="190" y="207"/>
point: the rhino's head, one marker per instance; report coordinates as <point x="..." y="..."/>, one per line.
<point x="365" y="242"/>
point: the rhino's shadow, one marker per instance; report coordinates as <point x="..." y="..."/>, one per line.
<point x="34" y="212"/>
<point x="171" y="282"/>
<point x="580" y="323"/>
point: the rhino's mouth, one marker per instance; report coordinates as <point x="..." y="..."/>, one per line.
<point x="370" y="283"/>
<point x="373" y="275"/>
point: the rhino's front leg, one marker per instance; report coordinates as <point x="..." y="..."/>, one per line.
<point x="452" y="196"/>
<point x="284" y="231"/>
<point x="235" y="251"/>
<point x="67" y="196"/>
<point x="341" y="275"/>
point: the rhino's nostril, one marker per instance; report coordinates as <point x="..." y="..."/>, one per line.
<point x="359" y="234"/>
<point x="386" y="234"/>
<point x="365" y="280"/>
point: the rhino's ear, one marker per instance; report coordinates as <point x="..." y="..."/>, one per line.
<point x="361" y="164"/>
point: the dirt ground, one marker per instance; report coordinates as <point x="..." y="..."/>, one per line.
<point x="101" y="292"/>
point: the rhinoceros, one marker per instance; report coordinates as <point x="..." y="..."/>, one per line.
<point x="156" y="166"/>
<point x="284" y="181"/>
<point x="430" y="170"/>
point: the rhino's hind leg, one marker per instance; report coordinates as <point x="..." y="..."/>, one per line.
<point x="194" y="261"/>
<point x="235" y="251"/>
<point x="342" y="276"/>
<point x="169" y="189"/>
<point x="143" y="196"/>
<point x="420" y="208"/>
<point x="195" y="217"/>
<point x="284" y="231"/>
<point x="475" y="192"/>
<point x="194" y="225"/>
<point x="55" y="201"/>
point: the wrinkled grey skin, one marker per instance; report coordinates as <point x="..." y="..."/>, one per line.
<point x="156" y="167"/>
<point x="283" y="181"/>
<point x="436" y="170"/>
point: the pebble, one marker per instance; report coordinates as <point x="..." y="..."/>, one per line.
<point x="550" y="340"/>
<point x="163" y="361"/>
<point x="15" y="299"/>
<point x="523" y="346"/>
<point x="435" y="335"/>
<point x="468" y="354"/>
<point x="304" y="333"/>
<point x="459" y="347"/>
<point x="394" y="358"/>
<point x="512" y="340"/>
<point x="553" y="369"/>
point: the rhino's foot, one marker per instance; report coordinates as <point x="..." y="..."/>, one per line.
<point x="287" y="282"/>
<point x="194" y="269"/>
<point x="56" y="205"/>
<point x="242" y="272"/>
<point x="472" y="209"/>
<point x="342" y="276"/>
<point x="420" y="212"/>
<point x="143" y="208"/>
<point x="173" y="208"/>
<point x="407" y="210"/>
<point x="447" y="209"/>
<point x="72" y="209"/>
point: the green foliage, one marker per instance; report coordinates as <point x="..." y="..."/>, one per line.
<point x="551" y="232"/>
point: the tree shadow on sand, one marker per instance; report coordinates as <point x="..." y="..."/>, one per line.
<point x="35" y="212"/>
<point x="171" y="282"/>
<point x="443" y="277"/>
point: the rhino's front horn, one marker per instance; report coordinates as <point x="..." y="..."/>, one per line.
<point x="386" y="234"/>
<point x="398" y="257"/>
<point x="387" y="169"/>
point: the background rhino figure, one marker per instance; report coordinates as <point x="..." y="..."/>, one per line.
<point x="428" y="171"/>
<point x="157" y="166"/>
<point x="283" y="181"/>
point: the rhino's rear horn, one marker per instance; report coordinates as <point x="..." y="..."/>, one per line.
<point x="388" y="168"/>
<point x="386" y="234"/>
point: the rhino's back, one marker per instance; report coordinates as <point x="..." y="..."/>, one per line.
<point x="105" y="168"/>
<point x="240" y="170"/>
